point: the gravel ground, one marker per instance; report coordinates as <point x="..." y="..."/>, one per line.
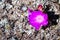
<point x="15" y="26"/>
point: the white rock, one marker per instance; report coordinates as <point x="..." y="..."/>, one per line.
<point x="24" y="8"/>
<point x="42" y="31"/>
<point x="2" y="5"/>
<point x="26" y="13"/>
<point x="20" y="25"/>
<point x="48" y="36"/>
<point x="29" y="32"/>
<point x="14" y="2"/>
<point x="15" y="30"/>
<point x="3" y="0"/>
<point x="8" y="6"/>
<point x="1" y="23"/>
<point x="6" y="30"/>
<point x="5" y="12"/>
<point x="5" y="20"/>
<point x="12" y="38"/>
<point x="59" y="2"/>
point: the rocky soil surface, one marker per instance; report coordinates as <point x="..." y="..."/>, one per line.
<point x="15" y="26"/>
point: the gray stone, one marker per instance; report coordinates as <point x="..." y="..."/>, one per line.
<point x="54" y="0"/>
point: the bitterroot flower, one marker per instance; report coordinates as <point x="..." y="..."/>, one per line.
<point x="37" y="19"/>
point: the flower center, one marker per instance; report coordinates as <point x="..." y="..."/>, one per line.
<point x="39" y="18"/>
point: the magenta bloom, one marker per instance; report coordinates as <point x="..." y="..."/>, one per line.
<point x="37" y="19"/>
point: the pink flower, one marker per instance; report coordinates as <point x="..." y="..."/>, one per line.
<point x="37" y="19"/>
